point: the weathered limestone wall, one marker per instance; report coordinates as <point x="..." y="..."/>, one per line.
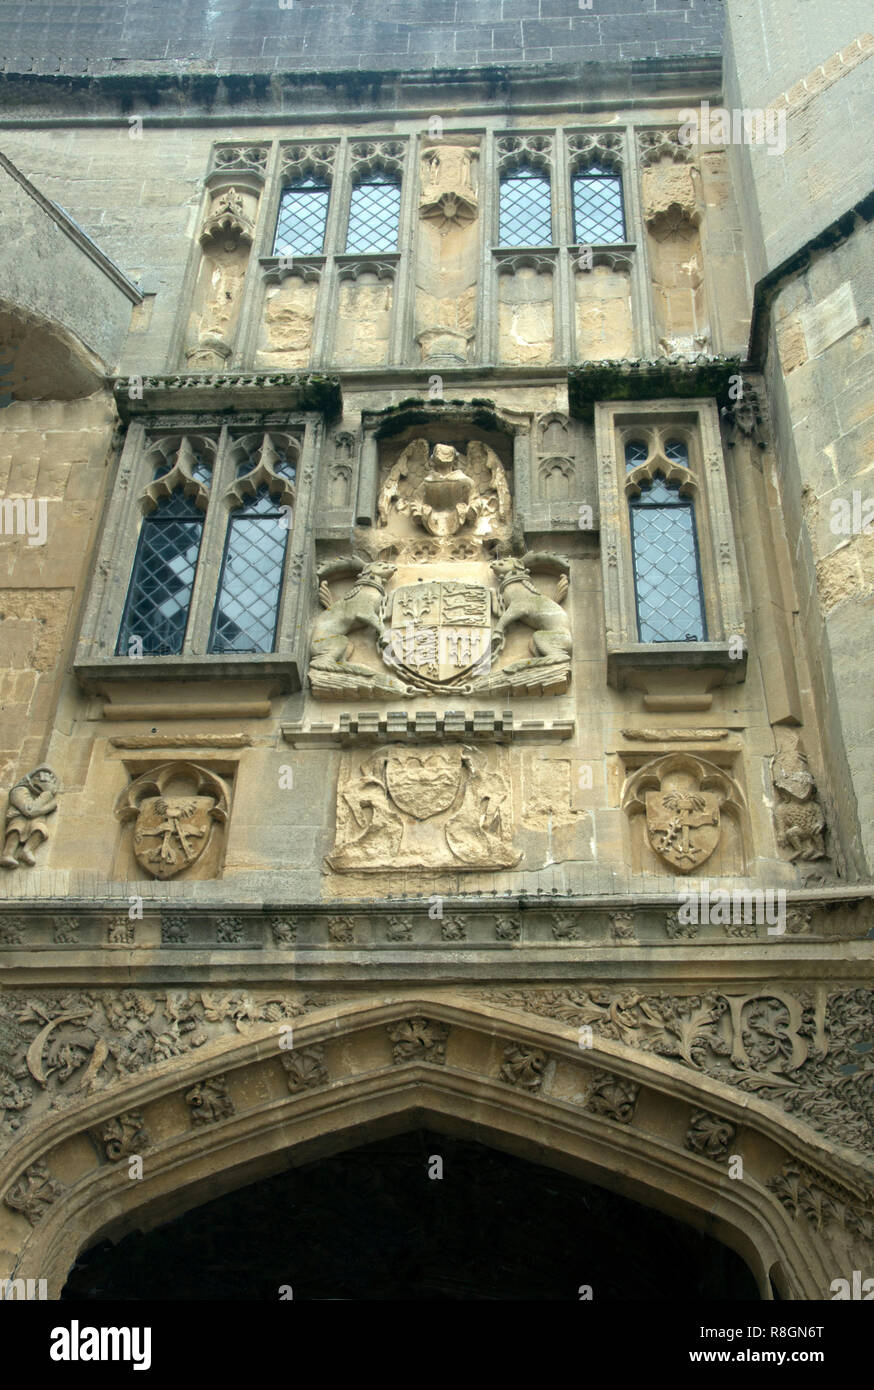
<point x="53" y="459"/>
<point x="814" y="327"/>
<point x="821" y="361"/>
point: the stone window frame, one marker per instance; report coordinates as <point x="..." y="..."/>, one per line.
<point x="565" y="154"/>
<point x="696" y="421"/>
<point x="335" y="264"/>
<point x="96" y="665"/>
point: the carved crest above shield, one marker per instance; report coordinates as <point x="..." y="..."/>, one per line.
<point x="175" y="808"/>
<point x="682" y="801"/>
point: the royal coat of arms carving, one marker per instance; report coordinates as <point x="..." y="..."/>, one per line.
<point x="424" y="808"/>
<point x="440" y="631"/>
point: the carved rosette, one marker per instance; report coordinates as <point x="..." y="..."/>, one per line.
<point x="418" y="1040"/>
<point x="448" y="193"/>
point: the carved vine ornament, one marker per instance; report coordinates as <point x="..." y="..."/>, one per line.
<point x="808" y="1057"/>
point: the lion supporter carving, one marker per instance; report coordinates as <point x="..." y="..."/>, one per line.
<point x="424" y="808"/>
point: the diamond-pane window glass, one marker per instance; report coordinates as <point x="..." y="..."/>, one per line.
<point x="636" y="452"/>
<point x="676" y="452"/>
<point x="247" y="606"/>
<point x="303" y="215"/>
<point x="598" y="215"/>
<point x="667" y="573"/>
<point x="374" y="214"/>
<point x="159" y="596"/>
<point x="526" y="209"/>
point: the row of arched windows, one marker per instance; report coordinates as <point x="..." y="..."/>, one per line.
<point x="374" y="212"/>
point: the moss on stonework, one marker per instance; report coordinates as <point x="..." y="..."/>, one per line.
<point x="648" y="380"/>
<point x="414" y="410"/>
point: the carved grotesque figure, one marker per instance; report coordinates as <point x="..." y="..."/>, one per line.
<point x="31" y="801"/>
<point x="798" y="815"/>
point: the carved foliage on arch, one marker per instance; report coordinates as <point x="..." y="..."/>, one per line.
<point x="805" y="1056"/>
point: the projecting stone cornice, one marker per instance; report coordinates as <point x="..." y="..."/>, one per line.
<point x="136" y="396"/>
<point x="701" y="377"/>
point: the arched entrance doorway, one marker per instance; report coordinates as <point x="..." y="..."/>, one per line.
<point x="418" y="1215"/>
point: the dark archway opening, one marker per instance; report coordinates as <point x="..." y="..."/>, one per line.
<point x="370" y="1223"/>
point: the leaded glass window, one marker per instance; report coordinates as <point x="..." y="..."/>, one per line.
<point x="598" y="215"/>
<point x="526" y="209"/>
<point x="676" y="452"/>
<point x="247" y="607"/>
<point x="374" y="214"/>
<point x="303" y="216"/>
<point x="159" y="595"/>
<point x="667" y="572"/>
<point x="636" y="452"/>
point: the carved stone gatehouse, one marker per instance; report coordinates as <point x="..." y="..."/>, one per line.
<point x="436" y="609"/>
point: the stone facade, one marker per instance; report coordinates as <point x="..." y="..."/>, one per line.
<point x="606" y="896"/>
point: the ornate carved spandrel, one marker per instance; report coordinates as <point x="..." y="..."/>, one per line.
<point x="30" y="803"/>
<point x="424" y="808"/>
<point x="811" y="1060"/>
<point x="175" y="808"/>
<point x="799" y="820"/>
<point x="682" y="809"/>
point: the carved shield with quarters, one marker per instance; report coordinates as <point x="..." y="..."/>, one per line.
<point x="440" y="631"/>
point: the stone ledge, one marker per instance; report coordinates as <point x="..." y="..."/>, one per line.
<point x="234" y="391"/>
<point x="648" y="380"/>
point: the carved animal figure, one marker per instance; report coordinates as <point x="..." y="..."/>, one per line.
<point x="362" y="607"/>
<point x="521" y="602"/>
<point x="800" y="827"/>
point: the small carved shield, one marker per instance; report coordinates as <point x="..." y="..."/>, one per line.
<point x="423" y="785"/>
<point x="172" y="832"/>
<point x="440" y="631"/>
<point x="683" y="826"/>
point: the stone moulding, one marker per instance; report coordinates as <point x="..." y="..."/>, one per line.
<point x="657" y="378"/>
<point x="240" y="391"/>
<point x="423" y="726"/>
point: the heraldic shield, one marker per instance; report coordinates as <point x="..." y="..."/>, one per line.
<point x="683" y="826"/>
<point x="423" y="786"/>
<point x="174" y="808"/>
<point x="440" y="632"/>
